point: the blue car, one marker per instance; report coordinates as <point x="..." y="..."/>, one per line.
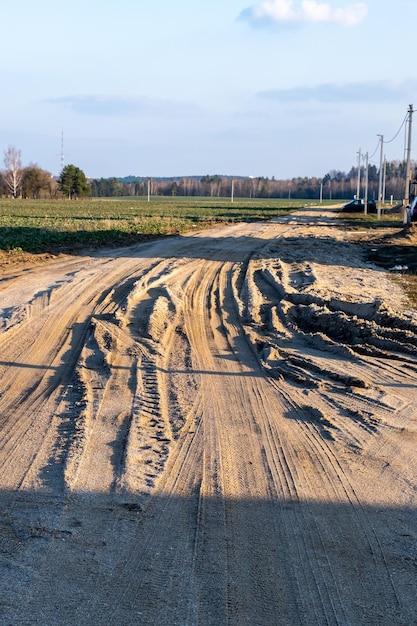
<point x="413" y="210"/>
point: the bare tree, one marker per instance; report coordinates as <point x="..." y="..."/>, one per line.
<point x="14" y="173"/>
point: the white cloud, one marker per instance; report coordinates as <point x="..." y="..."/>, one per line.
<point x="118" y="106"/>
<point x="308" y="11"/>
<point x="371" y="92"/>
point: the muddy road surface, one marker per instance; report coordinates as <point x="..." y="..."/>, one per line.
<point x="213" y="429"/>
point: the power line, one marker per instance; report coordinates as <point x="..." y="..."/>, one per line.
<point x="395" y="136"/>
<point x="374" y="152"/>
<point x="399" y="130"/>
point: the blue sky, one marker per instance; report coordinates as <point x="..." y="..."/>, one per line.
<point x="278" y="88"/>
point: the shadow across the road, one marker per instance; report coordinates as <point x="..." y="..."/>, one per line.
<point x="90" y="558"/>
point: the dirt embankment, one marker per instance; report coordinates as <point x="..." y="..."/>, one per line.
<point x="218" y="429"/>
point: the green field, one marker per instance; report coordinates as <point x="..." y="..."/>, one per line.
<point x="50" y="225"/>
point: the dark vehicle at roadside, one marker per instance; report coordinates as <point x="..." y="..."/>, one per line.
<point x="358" y="205"/>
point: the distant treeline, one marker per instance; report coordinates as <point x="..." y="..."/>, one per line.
<point x="34" y="182"/>
<point x="335" y="184"/>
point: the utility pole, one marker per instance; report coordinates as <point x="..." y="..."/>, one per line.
<point x="381" y="138"/>
<point x="149" y="189"/>
<point x="365" y="201"/>
<point x="407" y="167"/>
<point x="384" y="179"/>
<point x="358" y="191"/>
<point x="233" y="190"/>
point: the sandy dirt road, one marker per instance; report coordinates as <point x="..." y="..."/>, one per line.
<point x="215" y="429"/>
